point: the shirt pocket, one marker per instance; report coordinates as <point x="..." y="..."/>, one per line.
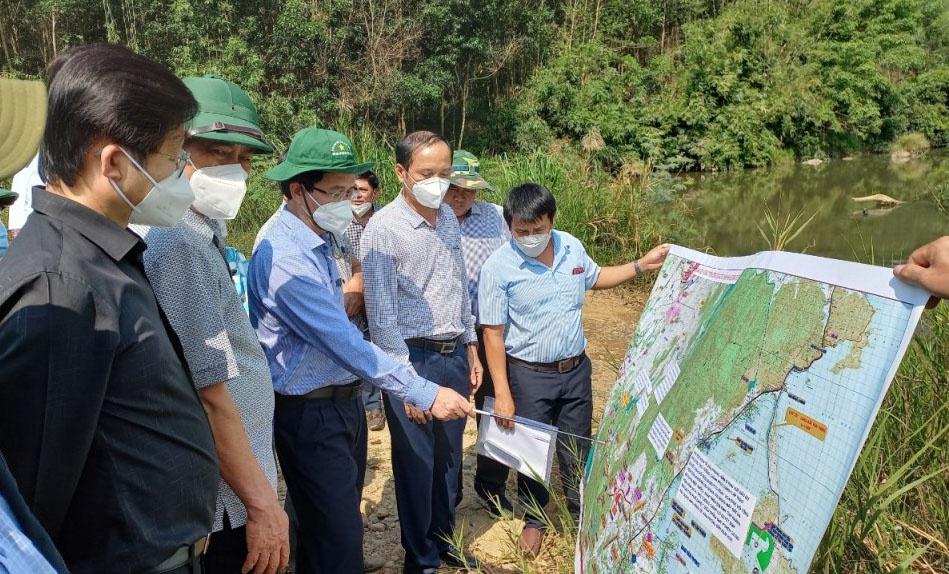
<point x="572" y="289"/>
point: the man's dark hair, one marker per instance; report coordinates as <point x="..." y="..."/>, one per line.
<point x="529" y="202"/>
<point x="415" y="141"/>
<point x="105" y="91"/>
<point x="307" y="179"/>
<point x="371" y="177"/>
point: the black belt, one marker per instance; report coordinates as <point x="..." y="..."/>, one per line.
<point x="190" y="554"/>
<point x="334" y="393"/>
<point x="564" y="366"/>
<point x="444" y="347"/>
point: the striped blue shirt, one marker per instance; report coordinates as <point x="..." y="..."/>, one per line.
<point x="540" y="307"/>
<point x="296" y="306"/>
<point x="414" y="277"/>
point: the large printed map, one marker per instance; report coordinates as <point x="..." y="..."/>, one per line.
<point x="747" y="392"/>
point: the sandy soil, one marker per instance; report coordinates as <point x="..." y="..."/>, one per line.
<point x="609" y="318"/>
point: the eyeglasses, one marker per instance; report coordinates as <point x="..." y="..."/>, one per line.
<point x="180" y="161"/>
<point x="223" y="127"/>
<point x="339" y="195"/>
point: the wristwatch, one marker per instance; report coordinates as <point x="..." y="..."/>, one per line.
<point x="639" y="270"/>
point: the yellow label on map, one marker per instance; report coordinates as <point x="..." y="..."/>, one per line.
<point x="811" y="426"/>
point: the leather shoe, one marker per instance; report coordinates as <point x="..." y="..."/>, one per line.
<point x="376" y="419"/>
<point x="532" y="539"/>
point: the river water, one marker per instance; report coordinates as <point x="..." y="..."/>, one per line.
<point x="728" y="208"/>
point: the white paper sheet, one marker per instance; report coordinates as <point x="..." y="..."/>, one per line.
<point x="527" y="449"/>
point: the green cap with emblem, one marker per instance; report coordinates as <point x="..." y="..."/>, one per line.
<point x="314" y="149"/>
<point x="7" y="197"/>
<point x="225" y="114"/>
<point x="466" y="171"/>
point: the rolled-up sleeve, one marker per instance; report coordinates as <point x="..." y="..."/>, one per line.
<point x="308" y="306"/>
<point x="188" y="291"/>
<point x="492" y="297"/>
<point x="57" y="341"/>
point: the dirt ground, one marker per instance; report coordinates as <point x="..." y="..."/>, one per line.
<point x="609" y="319"/>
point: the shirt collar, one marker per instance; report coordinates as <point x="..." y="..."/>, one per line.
<point x="303" y="236"/>
<point x="561" y="252"/>
<point x="414" y="218"/>
<point x="116" y="241"/>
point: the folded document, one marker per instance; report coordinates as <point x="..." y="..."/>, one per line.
<point x="528" y="449"/>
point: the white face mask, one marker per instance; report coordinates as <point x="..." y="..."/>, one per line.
<point x="219" y="190"/>
<point x="334" y="217"/>
<point x="533" y="245"/>
<point x="431" y="191"/>
<point x="165" y="203"/>
<point x="361" y="209"/>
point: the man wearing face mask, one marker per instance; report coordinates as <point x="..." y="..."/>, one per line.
<point x="188" y="270"/>
<point x="318" y="357"/>
<point x="99" y="421"/>
<point x="531" y="302"/>
<point x="418" y="309"/>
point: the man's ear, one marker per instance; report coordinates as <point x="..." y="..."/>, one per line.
<point x="113" y="164"/>
<point x="401" y="172"/>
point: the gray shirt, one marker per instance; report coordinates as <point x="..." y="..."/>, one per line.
<point x="189" y="274"/>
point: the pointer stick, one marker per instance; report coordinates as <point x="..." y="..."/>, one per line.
<point x="537" y="425"/>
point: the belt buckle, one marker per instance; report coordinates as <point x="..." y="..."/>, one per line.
<point x="564" y="365"/>
<point x="447" y="347"/>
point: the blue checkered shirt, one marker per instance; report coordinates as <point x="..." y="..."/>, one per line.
<point x="296" y="306"/>
<point x="482" y="232"/>
<point x="17" y="552"/>
<point x="414" y="278"/>
<point x="189" y="272"/>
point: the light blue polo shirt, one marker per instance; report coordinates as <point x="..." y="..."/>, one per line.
<point x="540" y="307"/>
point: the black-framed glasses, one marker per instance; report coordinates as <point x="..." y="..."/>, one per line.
<point x="225" y="127"/>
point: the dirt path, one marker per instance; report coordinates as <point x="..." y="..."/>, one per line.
<point x="609" y="318"/>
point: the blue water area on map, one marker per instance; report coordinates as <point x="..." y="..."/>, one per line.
<point x="811" y="473"/>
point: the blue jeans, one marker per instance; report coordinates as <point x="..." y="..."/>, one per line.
<point x="426" y="463"/>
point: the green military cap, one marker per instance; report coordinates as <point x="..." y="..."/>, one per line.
<point x="7" y="197"/>
<point x="466" y="171"/>
<point x="314" y="149"/>
<point x="225" y="114"/>
<point x="22" y="120"/>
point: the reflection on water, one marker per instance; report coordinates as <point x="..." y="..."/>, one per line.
<point x="729" y="207"/>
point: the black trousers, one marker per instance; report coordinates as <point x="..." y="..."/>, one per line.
<point x="322" y="448"/>
<point x="227" y="550"/>
<point x="490" y="475"/>
<point x="564" y="400"/>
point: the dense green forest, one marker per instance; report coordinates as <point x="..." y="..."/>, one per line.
<point x="604" y="101"/>
<point x="678" y="84"/>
